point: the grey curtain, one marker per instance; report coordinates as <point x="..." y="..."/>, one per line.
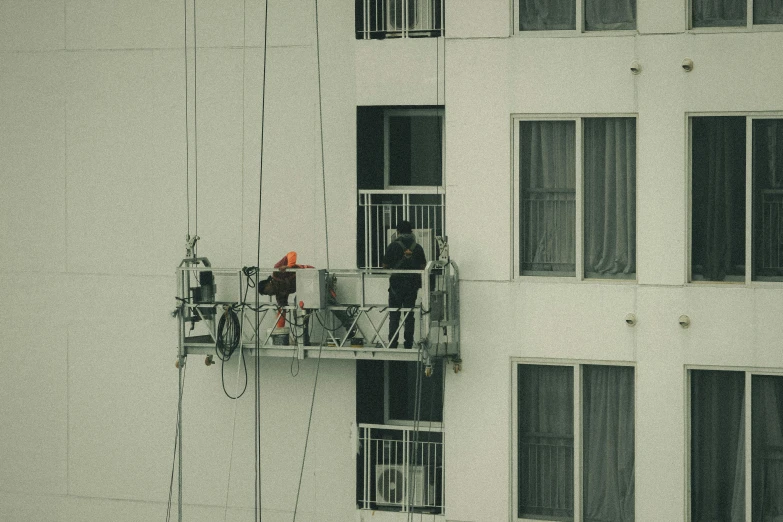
<point x="768" y="11"/>
<point x="718" y="197"/>
<point x="546" y="441"/>
<point x="719" y="13"/>
<point x="767" y="448"/>
<point x="717" y="446"/>
<point x="610" y="196"/>
<point x="547" y="157"/>
<point x="608" y="15"/>
<point x="547" y="15"/>
<point x="608" y="438"/>
<point x="545" y="445"/>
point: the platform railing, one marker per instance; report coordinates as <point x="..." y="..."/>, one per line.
<point x="356" y="318"/>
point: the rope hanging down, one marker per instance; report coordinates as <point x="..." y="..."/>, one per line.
<point x="257" y="443"/>
<point x="326" y="243"/>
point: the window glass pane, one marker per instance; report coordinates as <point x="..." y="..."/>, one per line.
<point x="718" y="198"/>
<point x="768" y="199"/>
<point x="402" y="392"/>
<point x="607" y="15"/>
<point x="719" y="13"/>
<point x="768" y="11"/>
<point x="415" y="150"/>
<point x="608" y="439"/>
<point x="610" y="197"/>
<point x="547" y="207"/>
<point x="547" y="15"/>
<point x="717" y="446"/>
<point x="546" y="442"/>
<point x="767" y="448"/>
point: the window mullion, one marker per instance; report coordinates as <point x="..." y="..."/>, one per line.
<point x="578" y="462"/>
<point x="749" y="22"/>
<point x="748" y="447"/>
<point x="516" y="194"/>
<point x="579" y="202"/>
<point x="580" y="18"/>
<point x="748" y="200"/>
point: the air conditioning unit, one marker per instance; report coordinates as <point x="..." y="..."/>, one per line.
<point x="409" y="15"/>
<point x="424" y="237"/>
<point x="393" y="485"/>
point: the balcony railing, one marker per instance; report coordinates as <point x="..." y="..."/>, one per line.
<point x="401" y="469"/>
<point x="770" y="254"/>
<point x="546" y="471"/>
<point x="381" y="210"/>
<point x="400" y="19"/>
<point x="548" y="219"/>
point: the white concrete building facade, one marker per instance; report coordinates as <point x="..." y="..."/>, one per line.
<point x="100" y="106"/>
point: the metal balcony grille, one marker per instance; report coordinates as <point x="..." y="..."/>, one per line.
<point x="381" y="210"/>
<point x="548" y="230"/>
<point x="546" y="476"/>
<point x="401" y="469"/>
<point x="769" y="260"/>
<point x="399" y="19"/>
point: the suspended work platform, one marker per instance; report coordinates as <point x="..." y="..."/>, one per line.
<point x="337" y="314"/>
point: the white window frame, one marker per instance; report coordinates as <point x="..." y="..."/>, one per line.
<point x="578" y="405"/>
<point x="388" y="113"/>
<point x="750" y="117"/>
<point x="749" y="25"/>
<point x="579" y="196"/>
<point x="749" y="373"/>
<point x="580" y="25"/>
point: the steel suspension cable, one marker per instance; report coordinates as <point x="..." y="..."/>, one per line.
<point x="257" y="444"/>
<point x="195" y="119"/>
<point x="187" y="122"/>
<point x="321" y="123"/>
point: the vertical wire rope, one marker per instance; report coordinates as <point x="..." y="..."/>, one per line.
<point x="187" y="124"/>
<point x="257" y="444"/>
<point x="321" y="124"/>
<point x="326" y="241"/>
<point x="309" y="421"/>
<point x="195" y="119"/>
<point x="176" y="446"/>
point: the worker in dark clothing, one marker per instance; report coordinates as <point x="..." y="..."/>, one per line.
<point x="403" y="254"/>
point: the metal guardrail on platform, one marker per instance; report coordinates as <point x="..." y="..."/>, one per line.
<point x="353" y="325"/>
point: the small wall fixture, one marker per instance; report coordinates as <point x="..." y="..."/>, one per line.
<point x="685" y="321"/>
<point x="630" y="319"/>
<point x="636" y="67"/>
<point x="687" y="65"/>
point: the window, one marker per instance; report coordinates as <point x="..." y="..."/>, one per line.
<point x="734" y="13"/>
<point x="576" y="197"/>
<point x="720" y="221"/>
<point x="400" y="461"/>
<point x="720" y="429"/>
<point x="574" y="432"/>
<point x="399" y="176"/>
<point x="570" y="15"/>
<point x="413" y="148"/>
<point x="378" y="19"/>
